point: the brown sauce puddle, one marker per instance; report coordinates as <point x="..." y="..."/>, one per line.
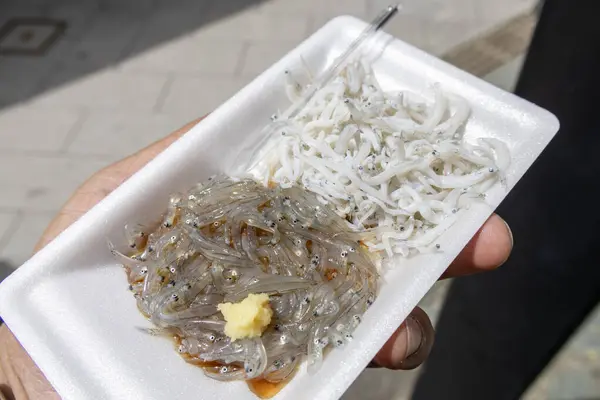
<point x="260" y="387"/>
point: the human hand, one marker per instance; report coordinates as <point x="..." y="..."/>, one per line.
<point x="408" y="347"/>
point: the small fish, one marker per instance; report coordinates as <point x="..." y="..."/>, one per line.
<point x="231" y="238"/>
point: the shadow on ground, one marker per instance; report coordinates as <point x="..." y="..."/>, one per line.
<point x="98" y="34"/>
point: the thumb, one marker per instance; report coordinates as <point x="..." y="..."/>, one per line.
<point x="19" y="376"/>
<point x="409" y="346"/>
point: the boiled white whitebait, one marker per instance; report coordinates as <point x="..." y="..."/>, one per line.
<point x="392" y="164"/>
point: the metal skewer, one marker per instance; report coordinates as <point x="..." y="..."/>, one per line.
<point x="255" y="146"/>
<point x="333" y="70"/>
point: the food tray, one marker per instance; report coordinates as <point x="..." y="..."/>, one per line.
<point x="69" y="306"/>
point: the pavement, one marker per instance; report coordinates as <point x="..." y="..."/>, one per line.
<point x="122" y="74"/>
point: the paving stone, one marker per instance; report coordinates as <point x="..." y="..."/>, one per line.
<point x="120" y="134"/>
<point x="20" y="246"/>
<point x="28" y="128"/>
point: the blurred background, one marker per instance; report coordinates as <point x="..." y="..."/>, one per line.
<point x="85" y="82"/>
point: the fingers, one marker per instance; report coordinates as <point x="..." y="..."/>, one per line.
<point x="409" y="346"/>
<point x="487" y="250"/>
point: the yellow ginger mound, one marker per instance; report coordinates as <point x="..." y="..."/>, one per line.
<point x="247" y="319"/>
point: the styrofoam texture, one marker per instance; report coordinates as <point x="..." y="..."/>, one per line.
<point x="69" y="307"/>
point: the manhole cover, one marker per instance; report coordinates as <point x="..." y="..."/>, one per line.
<point x="29" y="36"/>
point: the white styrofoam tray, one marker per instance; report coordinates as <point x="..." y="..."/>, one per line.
<point x="69" y="307"/>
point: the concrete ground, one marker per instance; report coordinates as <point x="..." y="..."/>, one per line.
<point x="125" y="73"/>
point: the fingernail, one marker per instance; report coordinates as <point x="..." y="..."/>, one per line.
<point x="409" y="342"/>
<point x="512" y="240"/>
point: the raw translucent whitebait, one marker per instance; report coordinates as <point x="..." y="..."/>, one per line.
<point x="228" y="238"/>
<point x="383" y="159"/>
